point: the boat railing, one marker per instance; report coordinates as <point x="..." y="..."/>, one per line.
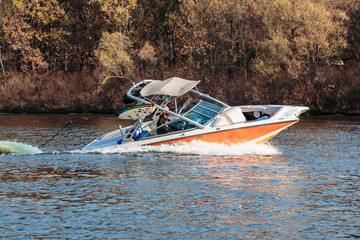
<point x="160" y="106"/>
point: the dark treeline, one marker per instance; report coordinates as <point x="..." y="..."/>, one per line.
<point x="68" y="54"/>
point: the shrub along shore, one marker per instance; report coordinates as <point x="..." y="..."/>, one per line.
<point x="336" y="91"/>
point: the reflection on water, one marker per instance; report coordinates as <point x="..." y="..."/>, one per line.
<point x="307" y="189"/>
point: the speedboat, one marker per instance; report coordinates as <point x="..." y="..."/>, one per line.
<point x="192" y="115"/>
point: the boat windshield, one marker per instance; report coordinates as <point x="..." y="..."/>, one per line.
<point x="202" y="109"/>
<point x="198" y="111"/>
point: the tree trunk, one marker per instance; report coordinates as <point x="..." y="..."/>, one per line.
<point x="2" y="67"/>
<point x="243" y="48"/>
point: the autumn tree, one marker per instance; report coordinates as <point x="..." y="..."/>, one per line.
<point x="85" y="23"/>
<point x="299" y="35"/>
<point x="147" y="57"/>
<point x="34" y="30"/>
<point x="154" y="23"/>
<point x="352" y="9"/>
<point x="239" y="35"/>
<point x="207" y="36"/>
<point x="118" y="12"/>
<point x="278" y="24"/>
<point x="4" y="8"/>
<point x="113" y="53"/>
<point x="322" y="40"/>
<point x="219" y="35"/>
<point x="200" y="33"/>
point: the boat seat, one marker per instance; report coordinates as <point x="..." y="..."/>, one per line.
<point x="220" y="121"/>
<point x="234" y="115"/>
<point x="230" y="116"/>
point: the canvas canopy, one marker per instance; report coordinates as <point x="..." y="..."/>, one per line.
<point x="174" y="86"/>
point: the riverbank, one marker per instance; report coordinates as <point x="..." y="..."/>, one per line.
<point x="334" y="91"/>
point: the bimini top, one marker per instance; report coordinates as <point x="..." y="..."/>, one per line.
<point x="174" y="86"/>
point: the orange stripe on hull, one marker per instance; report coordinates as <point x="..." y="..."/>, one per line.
<point x="235" y="136"/>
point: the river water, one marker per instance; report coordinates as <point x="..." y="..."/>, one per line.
<point x="305" y="184"/>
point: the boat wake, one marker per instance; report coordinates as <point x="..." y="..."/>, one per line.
<point x="196" y="148"/>
<point x="8" y="147"/>
<point x="193" y="148"/>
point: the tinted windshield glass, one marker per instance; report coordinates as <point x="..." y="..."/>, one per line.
<point x="210" y="106"/>
<point x="199" y="118"/>
<point x="205" y="111"/>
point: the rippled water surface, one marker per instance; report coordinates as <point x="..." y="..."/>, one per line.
<point x="304" y="185"/>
